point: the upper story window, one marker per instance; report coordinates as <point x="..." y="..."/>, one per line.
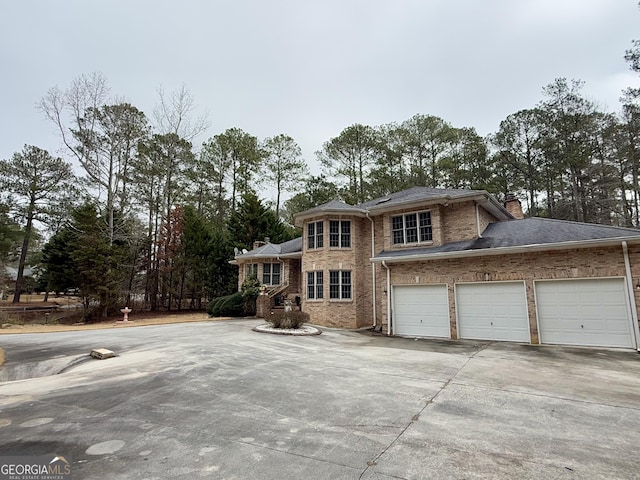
<point x="340" y="233"/>
<point x="315" y="232"/>
<point x="340" y="284"/>
<point x="411" y="228"/>
<point x="251" y="270"/>
<point x="315" y="285"/>
<point x="271" y="273"/>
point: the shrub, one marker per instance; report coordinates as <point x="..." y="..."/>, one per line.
<point x="288" y="319"/>
<point x="227" y="306"/>
<point x="213" y="305"/>
<point x="250" y="290"/>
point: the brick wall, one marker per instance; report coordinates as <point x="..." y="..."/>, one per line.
<point x="459" y="222"/>
<point x="353" y="313"/>
<point x="485" y="218"/>
<point x="577" y="263"/>
<point x="289" y="271"/>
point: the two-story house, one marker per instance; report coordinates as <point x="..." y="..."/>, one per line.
<point x="441" y="263"/>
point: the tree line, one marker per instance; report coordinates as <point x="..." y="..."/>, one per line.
<point x="564" y="157"/>
<point x="152" y="222"/>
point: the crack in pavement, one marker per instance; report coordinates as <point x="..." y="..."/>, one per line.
<point x="416" y="417"/>
<point x="542" y="395"/>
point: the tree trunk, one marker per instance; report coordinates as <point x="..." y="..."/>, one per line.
<point x="23" y="253"/>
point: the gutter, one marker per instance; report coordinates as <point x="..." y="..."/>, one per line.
<point x="265" y="255"/>
<point x="631" y="294"/>
<point x="538" y="247"/>
<point x="388" y="297"/>
<point x="373" y="268"/>
<point x="481" y="197"/>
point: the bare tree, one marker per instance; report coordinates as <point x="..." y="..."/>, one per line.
<point x="173" y="114"/>
<point x="66" y="108"/>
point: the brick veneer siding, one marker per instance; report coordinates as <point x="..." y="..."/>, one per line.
<point x="353" y="313"/>
<point x="485" y="218"/>
<point x="263" y="306"/>
<point x="449" y="224"/>
<point x="577" y="263"/>
<point x="459" y="222"/>
<point x="290" y="272"/>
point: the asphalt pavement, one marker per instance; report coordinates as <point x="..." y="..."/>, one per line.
<point x="217" y="400"/>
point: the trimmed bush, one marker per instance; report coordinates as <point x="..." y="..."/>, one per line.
<point x="288" y="319"/>
<point x="227" y="306"/>
<point x="213" y="308"/>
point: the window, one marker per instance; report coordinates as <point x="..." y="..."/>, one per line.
<point x="411" y="228"/>
<point x="252" y="270"/>
<point x="340" y="284"/>
<point x="271" y="274"/>
<point x="314" y="234"/>
<point x="315" y="286"/>
<point x="340" y="233"/>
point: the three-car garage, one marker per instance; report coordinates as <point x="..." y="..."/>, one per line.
<point x="589" y="312"/>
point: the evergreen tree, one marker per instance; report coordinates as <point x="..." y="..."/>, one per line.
<point x="253" y="221"/>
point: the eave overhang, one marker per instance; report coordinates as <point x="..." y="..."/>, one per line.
<point x="356" y="212"/>
<point x="487" y="201"/>
<point x="243" y="258"/>
<point x="481" y="252"/>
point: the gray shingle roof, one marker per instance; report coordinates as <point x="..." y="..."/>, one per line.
<point x="274" y="249"/>
<point x="333" y="206"/>
<point x="522" y="233"/>
<point x="292" y="246"/>
<point x="417" y="194"/>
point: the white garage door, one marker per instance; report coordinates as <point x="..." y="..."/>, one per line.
<point x="584" y="312"/>
<point x="492" y="311"/>
<point x="421" y="311"/>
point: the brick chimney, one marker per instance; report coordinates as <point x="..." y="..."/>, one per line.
<point x="260" y="243"/>
<point x="513" y="206"/>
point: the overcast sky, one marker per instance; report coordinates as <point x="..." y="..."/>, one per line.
<point x="311" y="68"/>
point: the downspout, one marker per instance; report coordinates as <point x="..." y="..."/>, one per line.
<point x="478" y="220"/>
<point x="632" y="297"/>
<point x="373" y="268"/>
<point x="384" y="264"/>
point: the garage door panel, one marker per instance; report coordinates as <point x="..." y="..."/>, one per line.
<point x="492" y="311"/>
<point x="421" y="310"/>
<point x="591" y="312"/>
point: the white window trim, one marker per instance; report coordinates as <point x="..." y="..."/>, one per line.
<point x="248" y="267"/>
<point x="340" y="220"/>
<point x="404" y="228"/>
<point x="341" y="299"/>
<point x="315" y="286"/>
<point x="281" y="274"/>
<point x="315" y="235"/>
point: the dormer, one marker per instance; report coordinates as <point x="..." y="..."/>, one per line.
<point x="424" y="217"/>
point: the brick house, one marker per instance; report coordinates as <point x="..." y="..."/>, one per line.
<point x="446" y="263"/>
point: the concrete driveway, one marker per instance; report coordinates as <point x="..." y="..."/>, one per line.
<point x="216" y="400"/>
